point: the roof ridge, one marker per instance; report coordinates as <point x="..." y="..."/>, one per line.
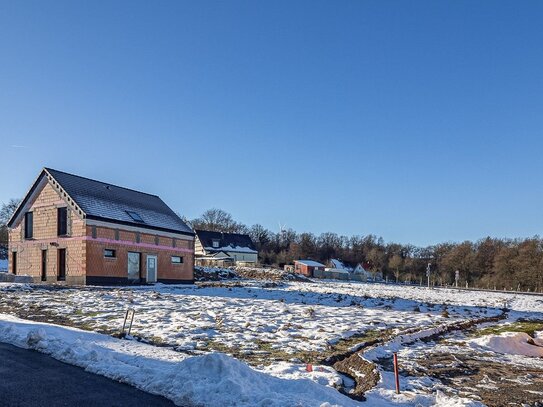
<point x="225" y="233"/>
<point x="101" y="182"/>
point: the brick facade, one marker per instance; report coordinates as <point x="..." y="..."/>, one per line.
<point x="84" y="247"/>
<point x="306" y="270"/>
<point x="102" y="269"/>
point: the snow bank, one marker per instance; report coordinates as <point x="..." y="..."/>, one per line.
<point x="512" y="343"/>
<point x="324" y="375"/>
<point x="415" y="391"/>
<point x="211" y="380"/>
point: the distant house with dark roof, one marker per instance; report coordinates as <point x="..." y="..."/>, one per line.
<point x="223" y="249"/>
<point x="81" y="231"/>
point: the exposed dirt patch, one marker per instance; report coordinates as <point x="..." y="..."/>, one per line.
<point x="495" y="384"/>
<point x="210" y="274"/>
<point x="221" y="283"/>
<point x="42" y="314"/>
<point x="364" y="373"/>
<point x="249" y="273"/>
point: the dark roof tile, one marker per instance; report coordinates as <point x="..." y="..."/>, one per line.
<point x="101" y="200"/>
<point x="226" y="240"/>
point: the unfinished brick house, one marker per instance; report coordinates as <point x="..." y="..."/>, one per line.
<point x="75" y="230"/>
<point x="307" y="267"/>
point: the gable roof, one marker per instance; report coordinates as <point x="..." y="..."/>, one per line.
<point x="231" y="242"/>
<point x="110" y="203"/>
<point x="338" y="264"/>
<point x="361" y="268"/>
<point x="311" y="263"/>
<point x="216" y="256"/>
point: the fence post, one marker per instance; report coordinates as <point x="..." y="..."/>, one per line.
<point x="129" y="314"/>
<point x="396" y="374"/>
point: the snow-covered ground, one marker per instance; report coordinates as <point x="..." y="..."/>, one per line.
<point x="291" y="316"/>
<point x="274" y="325"/>
<point x="211" y="380"/>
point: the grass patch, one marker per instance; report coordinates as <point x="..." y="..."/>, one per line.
<point x="263" y="354"/>
<point x="525" y="326"/>
<point x="346" y="344"/>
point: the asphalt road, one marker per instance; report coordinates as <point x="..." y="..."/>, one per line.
<point x="32" y="379"/>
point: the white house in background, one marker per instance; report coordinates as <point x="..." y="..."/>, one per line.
<point x="222" y="249"/>
<point x="359" y="269"/>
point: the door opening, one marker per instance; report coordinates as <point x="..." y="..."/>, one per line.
<point x="134" y="267"/>
<point x="61" y="264"/>
<point x="44" y="265"/>
<point x="152" y="269"/>
<point x="14" y="262"/>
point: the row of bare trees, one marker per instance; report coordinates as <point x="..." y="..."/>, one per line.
<point x="487" y="263"/>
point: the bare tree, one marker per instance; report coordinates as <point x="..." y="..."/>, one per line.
<point x="6" y="211"/>
<point x="376" y="259"/>
<point x="395" y="263"/>
<point x="217" y="220"/>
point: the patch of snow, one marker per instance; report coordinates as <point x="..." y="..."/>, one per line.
<point x="324" y="375"/>
<point x="237" y="249"/>
<point x="310" y="263"/>
<point x="413" y="393"/>
<point x="512" y="343"/>
<point x="338" y="264"/>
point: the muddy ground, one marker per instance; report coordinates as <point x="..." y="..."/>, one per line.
<point x="479" y="377"/>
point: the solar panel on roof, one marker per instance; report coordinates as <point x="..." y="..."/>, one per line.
<point x="113" y="204"/>
<point x="135" y="216"/>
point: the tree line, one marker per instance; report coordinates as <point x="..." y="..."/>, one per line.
<point x="487" y="263"/>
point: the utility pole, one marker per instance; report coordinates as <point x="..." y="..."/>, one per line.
<point x="456" y="277"/>
<point x="428" y="269"/>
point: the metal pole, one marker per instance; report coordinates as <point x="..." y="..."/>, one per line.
<point x="125" y="318"/>
<point x="131" y="321"/>
<point x="396" y="374"/>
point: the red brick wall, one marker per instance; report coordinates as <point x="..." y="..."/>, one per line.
<point x="85" y="254"/>
<point x="29" y="251"/>
<point x="101" y="268"/>
<point x="302" y="269"/>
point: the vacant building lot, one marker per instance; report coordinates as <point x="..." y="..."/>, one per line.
<point x="346" y="331"/>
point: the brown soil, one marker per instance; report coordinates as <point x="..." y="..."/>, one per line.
<point x="495" y="384"/>
<point x="42" y="314"/>
<point x="364" y="373"/>
<point x="272" y="274"/>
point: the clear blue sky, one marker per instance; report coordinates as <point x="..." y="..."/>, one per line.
<point x="419" y="121"/>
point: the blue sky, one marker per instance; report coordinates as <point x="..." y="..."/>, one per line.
<point x="417" y="121"/>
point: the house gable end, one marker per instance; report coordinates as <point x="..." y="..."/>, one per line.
<point x="34" y="192"/>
